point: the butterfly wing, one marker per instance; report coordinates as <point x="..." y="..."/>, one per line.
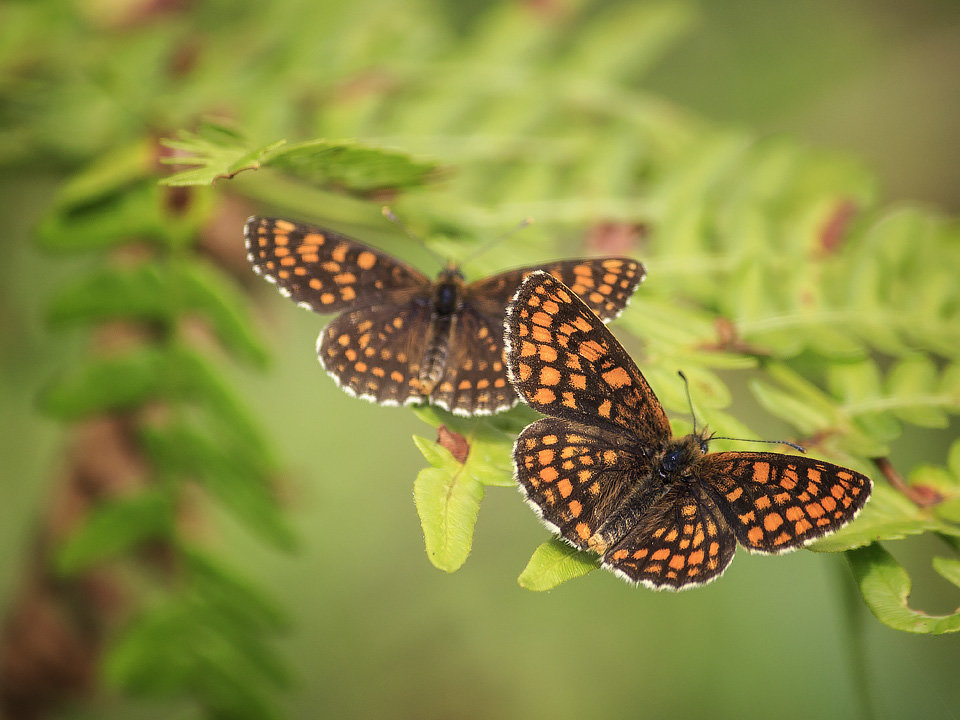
<point x="574" y="475"/>
<point x="604" y="284"/>
<point x="474" y="380"/>
<point x="328" y="272"/>
<point x="681" y="540"/>
<point x="563" y="361"/>
<point x="776" y="503"/>
<point x="376" y="353"/>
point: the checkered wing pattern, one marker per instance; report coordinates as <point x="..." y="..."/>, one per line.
<point x="681" y="540"/>
<point x="776" y="503"/>
<point x="604" y="473"/>
<point x="376" y="353"/>
<point x="328" y="272"/>
<point x="563" y="361"/>
<point x="474" y="380"/>
<point x="573" y="475"/>
<point x="604" y="284"/>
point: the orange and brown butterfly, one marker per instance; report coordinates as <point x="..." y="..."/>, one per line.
<point x="605" y="473"/>
<point x="400" y="338"/>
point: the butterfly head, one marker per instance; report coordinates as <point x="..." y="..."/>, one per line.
<point x="448" y="291"/>
<point x="680" y="455"/>
<point x="451" y="273"/>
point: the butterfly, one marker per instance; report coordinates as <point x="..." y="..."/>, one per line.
<point x="605" y="473"/>
<point x="401" y="338"/>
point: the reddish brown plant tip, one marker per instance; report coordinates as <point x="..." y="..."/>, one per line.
<point x="365" y="84"/>
<point x="176" y="200"/>
<point x="921" y="495"/>
<point x="616" y="238"/>
<point x="454" y="442"/>
<point x="550" y="10"/>
<point x="834" y="230"/>
<point x="729" y="340"/>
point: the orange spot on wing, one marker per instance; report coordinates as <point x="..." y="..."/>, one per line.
<point x="544" y="396"/>
<point x="548" y="474"/>
<point x="761" y="472"/>
<point x="618" y="377"/>
<point x="547" y="353"/>
<point x="549" y="375"/>
<point x="771" y="521"/>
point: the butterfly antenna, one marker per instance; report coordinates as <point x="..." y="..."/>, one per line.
<point x="526" y="222"/>
<point x="389" y="215"/>
<point x="768" y="442"/>
<point x="686" y="385"/>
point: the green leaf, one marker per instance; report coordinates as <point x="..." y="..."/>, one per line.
<point x="232" y="594"/>
<point x="553" y="563"/>
<point x="352" y="166"/>
<point x="219" y="151"/>
<point x="448" y="501"/>
<point x="114" y="528"/>
<point x="885" y="587"/>
<point x="222" y="153"/>
<point x="106" y="384"/>
<point x="208" y="292"/>
<point x="949" y="568"/>
<point x="147" y="292"/>
<point x="183" y="647"/>
<point x="230" y="470"/>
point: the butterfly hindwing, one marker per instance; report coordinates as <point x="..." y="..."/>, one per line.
<point x="776" y="502"/>
<point x="682" y="540"/>
<point x="474" y="380"/>
<point x="563" y="361"/>
<point x="376" y="353"/>
<point x="573" y="475"/>
<point x="328" y="272"/>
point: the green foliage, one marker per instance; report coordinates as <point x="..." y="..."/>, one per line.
<point x="767" y="261"/>
<point x="210" y="640"/>
<point x="201" y="632"/>
<point x="770" y="266"/>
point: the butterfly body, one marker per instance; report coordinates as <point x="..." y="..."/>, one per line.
<point x="401" y="338"/>
<point x="604" y="471"/>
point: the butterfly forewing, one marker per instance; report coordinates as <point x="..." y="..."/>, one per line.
<point x="573" y="475"/>
<point x="604" y="284"/>
<point x="776" y="503"/>
<point x="376" y="353"/>
<point x="326" y="271"/>
<point x="563" y="361"/>
<point x="682" y="540"/>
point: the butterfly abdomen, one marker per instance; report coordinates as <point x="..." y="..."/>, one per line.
<point x="447" y="296"/>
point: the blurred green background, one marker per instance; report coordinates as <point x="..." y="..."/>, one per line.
<point x="376" y="631"/>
